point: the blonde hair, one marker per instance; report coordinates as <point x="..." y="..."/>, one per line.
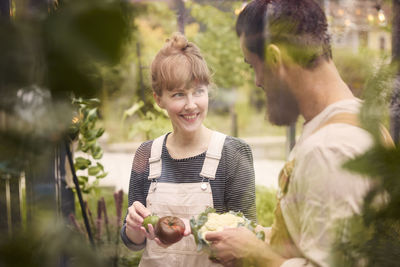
<point x="178" y="64"/>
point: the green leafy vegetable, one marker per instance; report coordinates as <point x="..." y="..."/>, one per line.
<point x="202" y="219"/>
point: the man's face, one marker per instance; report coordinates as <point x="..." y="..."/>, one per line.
<point x="282" y="108"/>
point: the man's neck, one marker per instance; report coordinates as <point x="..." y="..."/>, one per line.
<point x="317" y="88"/>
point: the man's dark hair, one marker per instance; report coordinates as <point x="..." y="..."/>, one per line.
<point x="299" y="25"/>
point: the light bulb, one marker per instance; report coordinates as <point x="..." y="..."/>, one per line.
<point x="381" y="16"/>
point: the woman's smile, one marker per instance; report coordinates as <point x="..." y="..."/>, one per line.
<point x="190" y="117"/>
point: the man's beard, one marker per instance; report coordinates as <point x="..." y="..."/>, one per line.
<point x="282" y="108"/>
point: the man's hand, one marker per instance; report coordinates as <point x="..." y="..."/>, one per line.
<point x="234" y="244"/>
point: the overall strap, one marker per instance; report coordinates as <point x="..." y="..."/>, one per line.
<point x="352" y="119"/>
<point x="347" y="118"/>
<point x="386" y="138"/>
<point x="155" y="162"/>
<point x="213" y="155"/>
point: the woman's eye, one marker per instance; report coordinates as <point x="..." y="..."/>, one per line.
<point x="177" y="95"/>
<point x="199" y="91"/>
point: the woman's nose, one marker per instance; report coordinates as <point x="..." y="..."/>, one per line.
<point x="190" y="104"/>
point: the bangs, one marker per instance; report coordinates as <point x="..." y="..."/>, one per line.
<point x="181" y="72"/>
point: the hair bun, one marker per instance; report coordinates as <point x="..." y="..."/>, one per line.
<point x="178" y="41"/>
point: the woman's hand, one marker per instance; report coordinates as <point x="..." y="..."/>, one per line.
<point x="134" y="220"/>
<point x="188" y="230"/>
<point x="186" y="233"/>
<point x="136" y="231"/>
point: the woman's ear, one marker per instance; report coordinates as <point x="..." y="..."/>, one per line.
<point x="157" y="98"/>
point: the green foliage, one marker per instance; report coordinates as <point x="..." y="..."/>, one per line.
<point x="383" y="165"/>
<point x="373" y="237"/>
<point x="377" y="94"/>
<point x="73" y="42"/>
<point x="155" y="24"/>
<point x="220" y="45"/>
<point x="354" y="68"/>
<point x="87" y="133"/>
<point x="47" y="53"/>
<point x="105" y="209"/>
<point x="377" y="244"/>
<point x="265" y="204"/>
<point x="47" y="244"/>
<point x="152" y="123"/>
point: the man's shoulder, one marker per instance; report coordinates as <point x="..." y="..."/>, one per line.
<point x="340" y="139"/>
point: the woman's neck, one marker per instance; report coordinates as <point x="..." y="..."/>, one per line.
<point x="183" y="145"/>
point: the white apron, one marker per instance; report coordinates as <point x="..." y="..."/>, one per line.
<point x="184" y="200"/>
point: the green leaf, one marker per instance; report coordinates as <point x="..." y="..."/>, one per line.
<point x="91" y="135"/>
<point x="83" y="180"/>
<point x="104" y="174"/>
<point x="98" y="155"/>
<point x="85" y="148"/>
<point x="376" y="162"/>
<point x="81" y="163"/>
<point x="86" y="190"/>
<point x="100" y="132"/>
<point x="261" y="235"/>
<point x="97" y="152"/>
<point x="100" y="166"/>
<point x="93" y="171"/>
<point x="92" y="114"/>
<point x="92" y="102"/>
<point x="132" y="110"/>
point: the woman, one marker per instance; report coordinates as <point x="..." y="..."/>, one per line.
<point x="185" y="171"/>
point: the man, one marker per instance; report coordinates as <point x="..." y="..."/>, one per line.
<point x="287" y="44"/>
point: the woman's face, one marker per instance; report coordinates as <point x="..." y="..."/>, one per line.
<point x="186" y="107"/>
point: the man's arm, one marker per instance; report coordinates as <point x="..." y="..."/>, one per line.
<point x="320" y="195"/>
<point x="240" y="243"/>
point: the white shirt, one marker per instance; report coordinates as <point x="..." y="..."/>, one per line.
<point x="320" y="190"/>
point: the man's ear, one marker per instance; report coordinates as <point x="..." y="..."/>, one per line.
<point x="273" y="56"/>
<point x="157" y="98"/>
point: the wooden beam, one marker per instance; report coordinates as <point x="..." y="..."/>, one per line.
<point x="15" y="204"/>
<point x="395" y="102"/>
<point x="3" y="206"/>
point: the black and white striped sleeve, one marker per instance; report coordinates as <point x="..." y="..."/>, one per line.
<point x="137" y="187"/>
<point x="240" y="184"/>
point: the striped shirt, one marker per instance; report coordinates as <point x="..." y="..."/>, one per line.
<point x="233" y="187"/>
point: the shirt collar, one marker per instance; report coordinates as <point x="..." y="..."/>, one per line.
<point x="351" y="105"/>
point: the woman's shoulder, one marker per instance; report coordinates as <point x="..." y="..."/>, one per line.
<point x="235" y="142"/>
<point x="235" y="145"/>
<point x="144" y="150"/>
<point x="142" y="155"/>
<point x="145" y="147"/>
